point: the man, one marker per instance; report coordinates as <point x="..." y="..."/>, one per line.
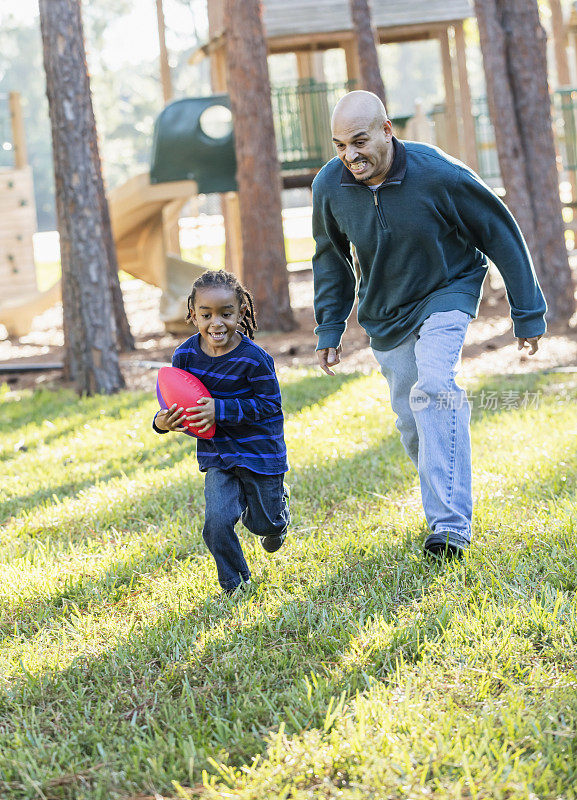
<point x="421" y="224"/>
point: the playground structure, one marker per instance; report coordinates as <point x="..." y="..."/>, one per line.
<point x="20" y="299"/>
<point x="308" y="28"/>
<point x="144" y="212"/>
<point x="193" y="148"/>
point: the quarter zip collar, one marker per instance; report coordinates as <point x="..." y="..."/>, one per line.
<point x="395" y="174"/>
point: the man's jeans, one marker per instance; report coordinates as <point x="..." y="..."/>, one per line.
<point x="433" y="417"/>
<point x="260" y="501"/>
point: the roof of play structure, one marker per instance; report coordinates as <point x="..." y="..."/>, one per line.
<point x="284" y="18"/>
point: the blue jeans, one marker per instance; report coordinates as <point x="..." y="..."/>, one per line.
<point x="260" y="501"/>
<point x="433" y="416"/>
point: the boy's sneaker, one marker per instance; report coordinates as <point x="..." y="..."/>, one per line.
<point x="244" y="586"/>
<point x="272" y="543"/>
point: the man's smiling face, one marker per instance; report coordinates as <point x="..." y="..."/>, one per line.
<point x="364" y="146"/>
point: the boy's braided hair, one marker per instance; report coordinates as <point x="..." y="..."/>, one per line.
<point x="221" y="278"/>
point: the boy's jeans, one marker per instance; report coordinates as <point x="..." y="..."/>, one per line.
<point x="260" y="501"/>
<point x="433" y="417"/>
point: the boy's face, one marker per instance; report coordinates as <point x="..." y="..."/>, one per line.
<point x="217" y="314"/>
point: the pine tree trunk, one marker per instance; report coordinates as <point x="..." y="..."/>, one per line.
<point x="258" y="171"/>
<point x="513" y="43"/>
<point x="91" y="359"/>
<point x="372" y="80"/>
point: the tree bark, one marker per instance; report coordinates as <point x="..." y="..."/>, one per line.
<point x="366" y="36"/>
<point x="91" y="358"/>
<point x="513" y="43"/>
<point x="258" y="171"/>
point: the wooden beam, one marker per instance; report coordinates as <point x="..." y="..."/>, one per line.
<point x="315" y="114"/>
<point x="560" y="42"/>
<point x="165" y="76"/>
<point x="310" y="65"/>
<point x="330" y="39"/>
<point x="468" y="121"/>
<point x="452" y="143"/>
<point x="18" y="135"/>
<point x="228" y="202"/>
<point x="233" y="234"/>
<point x="352" y="59"/>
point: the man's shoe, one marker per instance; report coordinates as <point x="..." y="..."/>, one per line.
<point x="446" y="544"/>
<point x="272" y="543"/>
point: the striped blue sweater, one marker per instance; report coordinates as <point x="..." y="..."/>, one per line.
<point x="248" y="407"/>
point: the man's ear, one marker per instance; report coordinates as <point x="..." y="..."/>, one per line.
<point x="243" y="310"/>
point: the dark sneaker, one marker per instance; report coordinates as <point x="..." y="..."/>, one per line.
<point x="244" y="586"/>
<point x="272" y="543"/>
<point x="446" y="544"/>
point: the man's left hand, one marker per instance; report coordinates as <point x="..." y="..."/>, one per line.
<point x="531" y="341"/>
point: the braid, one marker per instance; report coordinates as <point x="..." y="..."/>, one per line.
<point x="221" y="278"/>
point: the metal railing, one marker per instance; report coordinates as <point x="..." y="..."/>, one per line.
<point x="485" y="142"/>
<point x="565" y="126"/>
<point x="302" y="120"/>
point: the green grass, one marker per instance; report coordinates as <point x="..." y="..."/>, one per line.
<point x="353" y="669"/>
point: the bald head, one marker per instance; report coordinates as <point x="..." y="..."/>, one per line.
<point x="359" y="107"/>
<point x="363" y="137"/>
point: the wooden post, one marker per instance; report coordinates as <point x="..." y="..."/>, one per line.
<point x="469" y="136"/>
<point x="450" y="104"/>
<point x="18" y="137"/>
<point x="165" y="76"/>
<point x="315" y="114"/>
<point x="310" y="65"/>
<point x="233" y="233"/>
<point x="229" y="201"/>
<point x="352" y="59"/>
<point x="560" y="42"/>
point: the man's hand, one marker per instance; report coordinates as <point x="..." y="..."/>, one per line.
<point x="532" y="341"/>
<point x="170" y="419"/>
<point x="202" y="414"/>
<point x="329" y="357"/>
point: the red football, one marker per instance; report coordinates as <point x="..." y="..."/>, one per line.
<point x="178" y="386"/>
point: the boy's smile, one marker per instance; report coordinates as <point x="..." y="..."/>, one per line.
<point x="217" y="315"/>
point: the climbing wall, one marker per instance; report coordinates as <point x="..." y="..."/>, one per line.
<point x="17" y="226"/>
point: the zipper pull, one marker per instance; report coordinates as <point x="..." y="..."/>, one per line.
<point x="376" y="199"/>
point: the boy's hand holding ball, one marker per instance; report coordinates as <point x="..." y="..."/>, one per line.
<point x="170" y="419"/>
<point x="202" y="414"/>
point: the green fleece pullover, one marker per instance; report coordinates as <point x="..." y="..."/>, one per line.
<point x="421" y="242"/>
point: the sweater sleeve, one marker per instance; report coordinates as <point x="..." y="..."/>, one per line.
<point x="333" y="273"/>
<point x="485" y="221"/>
<point x="264" y="401"/>
<point x="175" y="363"/>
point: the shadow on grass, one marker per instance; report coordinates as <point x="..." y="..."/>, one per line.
<point x="307" y="391"/>
<point x="152" y="458"/>
<point x="228" y="691"/>
<point x="318" y="488"/>
<point x="216" y="683"/>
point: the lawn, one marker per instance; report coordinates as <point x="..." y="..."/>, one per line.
<point x="353" y="669"/>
